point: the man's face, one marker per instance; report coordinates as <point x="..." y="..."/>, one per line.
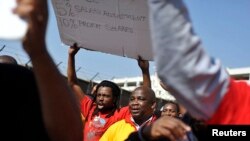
<point x="169" y="110"/>
<point x="140" y="104"/>
<point x="104" y="98"/>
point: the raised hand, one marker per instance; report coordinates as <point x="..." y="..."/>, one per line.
<point x="73" y="49"/>
<point x="35" y="12"/>
<point x="143" y="64"/>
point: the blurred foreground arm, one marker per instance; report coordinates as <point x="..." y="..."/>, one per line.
<point x="60" y="112"/>
<point x="163" y="129"/>
<point x="197" y="81"/>
<point x="167" y="127"/>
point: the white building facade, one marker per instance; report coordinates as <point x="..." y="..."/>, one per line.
<point x="130" y="83"/>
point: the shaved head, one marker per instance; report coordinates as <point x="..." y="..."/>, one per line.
<point x="6" y="59"/>
<point x="147" y="91"/>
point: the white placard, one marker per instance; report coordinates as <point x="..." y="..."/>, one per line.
<point x="117" y="27"/>
<point x="11" y="26"/>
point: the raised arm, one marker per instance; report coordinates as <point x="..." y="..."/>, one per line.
<point x="71" y="72"/>
<point x="59" y="107"/>
<point x="197" y="81"/>
<point x="144" y="65"/>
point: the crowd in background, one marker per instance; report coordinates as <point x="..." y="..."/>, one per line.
<point x="59" y="110"/>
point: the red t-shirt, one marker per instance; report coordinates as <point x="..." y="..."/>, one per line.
<point x="234" y="107"/>
<point x="92" y="133"/>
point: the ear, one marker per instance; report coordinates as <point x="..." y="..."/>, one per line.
<point x="153" y="105"/>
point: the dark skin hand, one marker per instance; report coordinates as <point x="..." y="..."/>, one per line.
<point x="144" y="65"/>
<point x="167" y="127"/>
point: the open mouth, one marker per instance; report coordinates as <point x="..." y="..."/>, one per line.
<point x="135" y="110"/>
<point x="100" y="105"/>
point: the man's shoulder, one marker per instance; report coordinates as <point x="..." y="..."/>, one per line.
<point x="118" y="126"/>
<point x="239" y="87"/>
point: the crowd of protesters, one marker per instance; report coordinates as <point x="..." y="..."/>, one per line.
<point x="59" y="110"/>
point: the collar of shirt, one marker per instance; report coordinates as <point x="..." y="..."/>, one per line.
<point x="137" y="126"/>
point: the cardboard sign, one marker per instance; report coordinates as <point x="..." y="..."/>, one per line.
<point x="117" y="27"/>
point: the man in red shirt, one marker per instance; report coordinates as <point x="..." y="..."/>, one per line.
<point x="101" y="111"/>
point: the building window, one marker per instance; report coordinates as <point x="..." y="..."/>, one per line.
<point x="120" y="84"/>
<point x="131" y="84"/>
